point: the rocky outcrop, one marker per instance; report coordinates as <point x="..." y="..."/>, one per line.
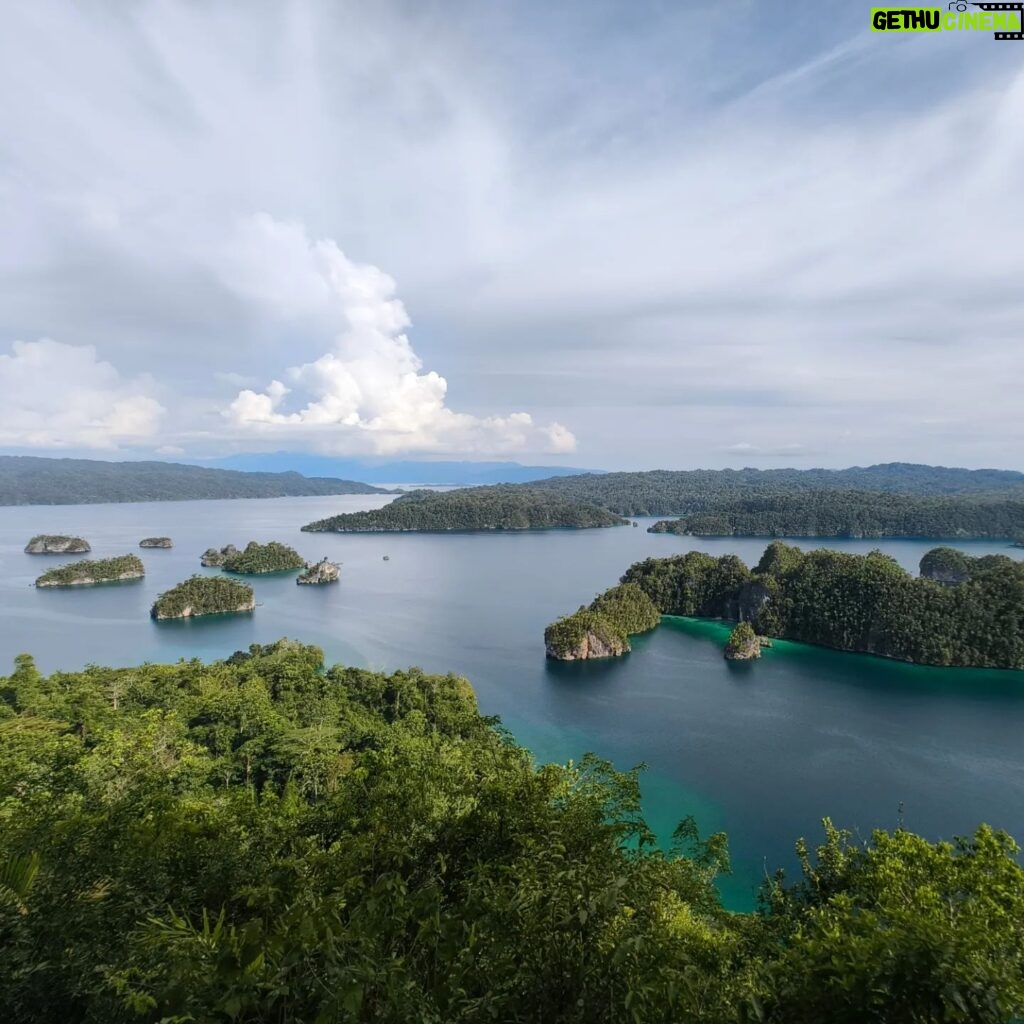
<point x="212" y="558"/>
<point x="584" y="635"/>
<point x="751" y="599"/>
<point x="589" y="645"/>
<point x="743" y="644"/>
<point x="56" y="544"/>
<point x="156" y="542"/>
<point x="324" y="571"/>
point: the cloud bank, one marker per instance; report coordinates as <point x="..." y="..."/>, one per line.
<point x="368" y="392"/>
<point x="63" y="396"/>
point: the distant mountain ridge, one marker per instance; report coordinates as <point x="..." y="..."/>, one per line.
<point x="406" y="471"/>
<point x="33" y="480"/>
<point x="663" y="492"/>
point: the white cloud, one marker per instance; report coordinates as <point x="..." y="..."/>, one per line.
<point x="63" y="396"/>
<point x="369" y="392"/>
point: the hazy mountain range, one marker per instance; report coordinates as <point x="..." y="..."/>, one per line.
<point x="378" y="471"/>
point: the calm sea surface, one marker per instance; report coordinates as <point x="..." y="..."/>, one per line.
<point x="763" y="751"/>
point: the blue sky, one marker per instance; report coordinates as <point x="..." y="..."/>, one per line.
<point x="605" y="234"/>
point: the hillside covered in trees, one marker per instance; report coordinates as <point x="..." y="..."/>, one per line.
<point x="863" y="603"/>
<point x="687" y="492"/>
<point x="261" y="840"/>
<point x="29" y="480"/>
<point x="472" y="508"/>
<point x="840" y="513"/>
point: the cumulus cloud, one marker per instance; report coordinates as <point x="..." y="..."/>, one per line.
<point x="369" y="392"/>
<point x="54" y="395"/>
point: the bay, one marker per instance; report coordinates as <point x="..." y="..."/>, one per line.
<point x="762" y="750"/>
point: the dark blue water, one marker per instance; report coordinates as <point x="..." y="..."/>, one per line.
<point x="763" y="750"/>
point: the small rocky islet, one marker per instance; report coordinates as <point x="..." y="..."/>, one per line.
<point x="56" y="544"/>
<point x="744" y="644"/>
<point x="318" y="573"/>
<point x="204" y="595"/>
<point x="88" y="572"/>
<point x="156" y="542"/>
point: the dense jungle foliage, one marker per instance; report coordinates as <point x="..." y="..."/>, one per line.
<point x="609" y="620"/>
<point x="260" y="840"/>
<point x="93" y="571"/>
<point x="852" y="514"/>
<point x="203" y="595"/>
<point x="259" y="558"/>
<point x="628" y="607"/>
<point x="948" y="565"/>
<point x="473" y="508"/>
<point x="688" y="492"/>
<point x="584" y="634"/>
<point x="865" y="603"/>
<point x="30" y="480"/>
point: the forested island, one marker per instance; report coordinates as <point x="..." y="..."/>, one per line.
<point x="85" y="572"/>
<point x="56" y="544"/>
<point x="30" y="480"/>
<point x="204" y="595"/>
<point x="156" y="542"/>
<point x="688" y="492"/>
<point x="511" y="507"/>
<point x="853" y="514"/>
<point x="863" y="603"/>
<point x="261" y="839"/>
<point x="262" y="558"/>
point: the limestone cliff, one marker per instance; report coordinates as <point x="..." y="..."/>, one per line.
<point x="583" y="636"/>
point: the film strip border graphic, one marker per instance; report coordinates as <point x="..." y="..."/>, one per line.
<point x="1018" y="7"/>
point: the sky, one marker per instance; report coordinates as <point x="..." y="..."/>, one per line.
<point x="640" y="234"/>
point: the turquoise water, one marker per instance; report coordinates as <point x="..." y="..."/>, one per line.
<point x="761" y="750"/>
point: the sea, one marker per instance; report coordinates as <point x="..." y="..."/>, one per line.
<point x="763" y="750"/>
